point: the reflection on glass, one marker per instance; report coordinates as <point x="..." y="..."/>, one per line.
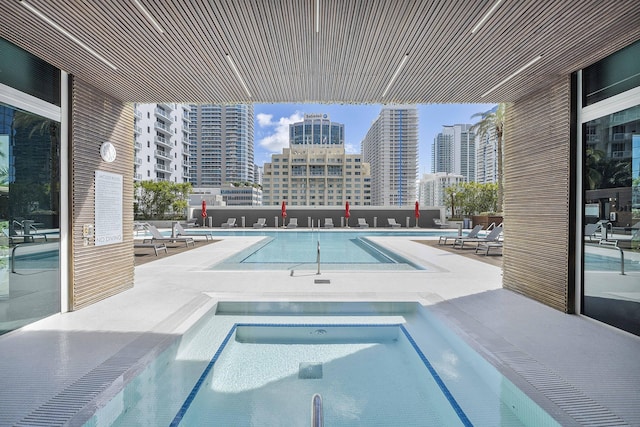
<point x="29" y="218"/>
<point x="612" y="219"/>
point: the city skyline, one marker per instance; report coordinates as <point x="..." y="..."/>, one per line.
<point x="272" y="125"/>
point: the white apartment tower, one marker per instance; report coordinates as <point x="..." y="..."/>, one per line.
<point x="391" y="148"/>
<point x="487" y="158"/>
<point x="454" y="151"/>
<point x="221" y="144"/>
<point x="315" y="170"/>
<point x="433" y="185"/>
<point x="161" y="141"/>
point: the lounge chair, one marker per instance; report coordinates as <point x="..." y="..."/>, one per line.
<point x="392" y="223"/>
<point x="472" y="234"/>
<point x="157" y="237"/>
<point x="328" y="223"/>
<point x="440" y="224"/>
<point x="180" y="231"/>
<point x="293" y="223"/>
<point x="487" y="246"/>
<point x="590" y="231"/>
<point x="15" y="238"/>
<point x="362" y="223"/>
<point x="261" y="223"/>
<point x="155" y="246"/>
<point x="493" y="236"/>
<point x="231" y="222"/>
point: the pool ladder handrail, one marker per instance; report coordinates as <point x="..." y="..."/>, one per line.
<point x="613" y="245"/>
<point x="317" y="416"/>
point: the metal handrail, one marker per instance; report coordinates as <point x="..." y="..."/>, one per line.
<point x="317" y="417"/>
<point x="614" y="246"/>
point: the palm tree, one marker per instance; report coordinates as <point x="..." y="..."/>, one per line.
<point x="493" y="120"/>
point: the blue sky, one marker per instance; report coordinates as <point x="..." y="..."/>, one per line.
<point x="272" y="124"/>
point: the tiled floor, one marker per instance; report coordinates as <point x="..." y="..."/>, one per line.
<point x="588" y="373"/>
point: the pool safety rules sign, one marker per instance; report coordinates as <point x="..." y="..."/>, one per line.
<point x="108" y="207"/>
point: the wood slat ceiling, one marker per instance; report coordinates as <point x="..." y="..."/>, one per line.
<point x="351" y="59"/>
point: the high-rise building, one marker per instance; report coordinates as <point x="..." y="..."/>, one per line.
<point x="316" y="170"/>
<point x="454" y="151"/>
<point x="391" y="148"/>
<point x="161" y="138"/>
<point x="432" y="188"/>
<point x="221" y="144"/>
<point x="487" y="158"/>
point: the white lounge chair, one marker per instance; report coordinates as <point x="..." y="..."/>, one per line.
<point x="180" y="231"/>
<point x="231" y="222"/>
<point x="156" y="236"/>
<point x="261" y="223"/>
<point x="440" y="224"/>
<point x="487" y="246"/>
<point x="362" y="223"/>
<point x="392" y="223"/>
<point x="328" y="223"/>
<point x="493" y="236"/>
<point x="472" y="234"/>
<point x="590" y="231"/>
<point x="293" y="223"/>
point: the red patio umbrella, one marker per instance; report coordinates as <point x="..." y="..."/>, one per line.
<point x="347" y="214"/>
<point x="204" y="211"/>
<point x="284" y="209"/>
<point x="417" y="212"/>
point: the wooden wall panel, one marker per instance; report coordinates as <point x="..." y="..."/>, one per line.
<point x="98" y="271"/>
<point x="537" y="196"/>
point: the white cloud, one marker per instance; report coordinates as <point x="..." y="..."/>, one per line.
<point x="277" y="138"/>
<point x="351" y="148"/>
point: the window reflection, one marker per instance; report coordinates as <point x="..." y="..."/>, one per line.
<point x="612" y="219"/>
<point x="29" y="218"/>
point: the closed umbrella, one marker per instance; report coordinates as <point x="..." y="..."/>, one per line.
<point x="347" y="214"/>
<point x="417" y="212"/>
<point x="284" y="211"/>
<point x="204" y="212"/>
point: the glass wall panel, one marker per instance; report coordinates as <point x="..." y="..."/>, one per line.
<point x="613" y="75"/>
<point x="611" y="291"/>
<point x="29" y="218"/>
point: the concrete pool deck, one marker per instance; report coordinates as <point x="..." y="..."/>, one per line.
<point x="62" y="367"/>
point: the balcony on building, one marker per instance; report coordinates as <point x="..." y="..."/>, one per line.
<point x="163" y="114"/>
<point x="161" y="154"/>
<point x="162" y="142"/>
<point x="163" y="128"/>
<point x="162" y="168"/>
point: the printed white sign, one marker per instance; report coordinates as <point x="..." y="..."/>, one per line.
<point x="108" y="229"/>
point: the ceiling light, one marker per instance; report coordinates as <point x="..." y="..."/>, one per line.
<point x="317" y="16"/>
<point x="235" y="70"/>
<point x="486" y="16"/>
<point x="67" y="34"/>
<point x="393" y="78"/>
<point x="149" y="17"/>
<point x="530" y="63"/>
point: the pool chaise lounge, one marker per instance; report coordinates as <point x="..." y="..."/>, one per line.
<point x="231" y="222"/>
<point x="182" y="232"/>
<point x="392" y="223"/>
<point x="155" y="245"/>
<point x="472" y="234"/>
<point x="487" y="246"/>
<point x="493" y="236"/>
<point x="156" y="236"/>
<point x="293" y="223"/>
<point x="362" y="223"/>
<point x="328" y="223"/>
<point x="261" y="223"/>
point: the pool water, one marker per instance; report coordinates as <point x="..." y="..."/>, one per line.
<point x="338" y="250"/>
<point x="259" y="365"/>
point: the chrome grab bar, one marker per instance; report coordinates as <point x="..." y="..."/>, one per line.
<point x="317" y="417"/>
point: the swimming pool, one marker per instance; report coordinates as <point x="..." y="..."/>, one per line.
<point x="260" y="364"/>
<point x="338" y="250"/>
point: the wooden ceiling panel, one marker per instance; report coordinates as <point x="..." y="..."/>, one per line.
<point x="360" y="44"/>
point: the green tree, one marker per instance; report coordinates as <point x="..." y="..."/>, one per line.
<point x="493" y="120"/>
<point x="161" y="199"/>
<point x="471" y="198"/>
